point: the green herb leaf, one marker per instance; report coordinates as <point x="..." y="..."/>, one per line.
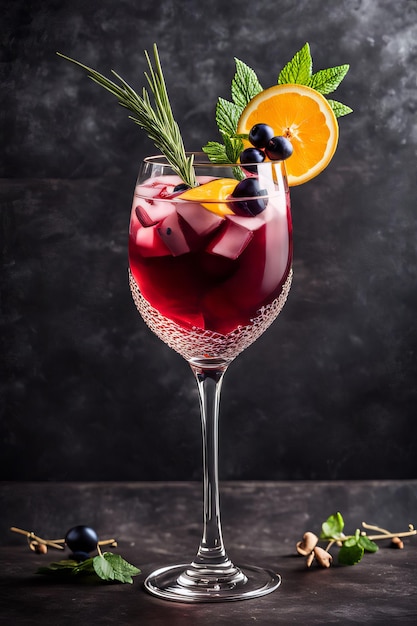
<point x="66" y="566"/>
<point x="326" y="81"/>
<point x="367" y="544"/>
<point x="107" y="567"/>
<point x="299" y="69"/>
<point x="339" y="109"/>
<point x="114" y="567"/>
<point x="245" y="84"/>
<point x="216" y="152"/>
<point x="350" y="553"/>
<point x="233" y="147"/>
<point x="227" y="115"/>
<point x="157" y="120"/>
<point x="103" y="568"/>
<point x="332" y="528"/>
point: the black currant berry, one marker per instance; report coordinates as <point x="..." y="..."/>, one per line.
<point x="181" y="187"/>
<point x="279" y="148"/>
<point x="81" y="539"/>
<point x="260" y="134"/>
<point x="251" y="155"/>
<point x="249" y="188"/>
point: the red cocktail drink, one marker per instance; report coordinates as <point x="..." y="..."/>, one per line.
<point x="209" y="265"/>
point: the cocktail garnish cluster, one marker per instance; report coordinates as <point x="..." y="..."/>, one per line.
<point x="292" y="120"/>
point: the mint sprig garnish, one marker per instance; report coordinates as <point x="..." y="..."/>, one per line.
<point x="300" y="70"/>
<point x="105" y="566"/>
<point x="352" y="547"/>
<point x="245" y="86"/>
<point x="156" y="119"/>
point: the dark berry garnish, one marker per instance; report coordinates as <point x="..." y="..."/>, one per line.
<point x="181" y="187"/>
<point x="254" y="203"/>
<point x="260" y="134"/>
<point x="251" y="155"/>
<point x="81" y="539"/>
<point x="279" y="148"/>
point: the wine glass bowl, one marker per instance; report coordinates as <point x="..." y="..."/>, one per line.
<point x="209" y="284"/>
<point x="209" y="271"/>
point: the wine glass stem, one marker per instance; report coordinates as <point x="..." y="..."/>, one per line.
<point x="211" y="551"/>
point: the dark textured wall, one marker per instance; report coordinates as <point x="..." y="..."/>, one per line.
<point x="87" y="393"/>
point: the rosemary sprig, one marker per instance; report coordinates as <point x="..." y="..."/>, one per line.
<point x="158" y="120"/>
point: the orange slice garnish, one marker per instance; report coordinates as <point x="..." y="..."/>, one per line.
<point x="210" y="193"/>
<point x="302" y="115"/>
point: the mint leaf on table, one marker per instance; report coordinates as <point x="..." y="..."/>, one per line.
<point x="333" y="527"/>
<point x="104" y="567"/>
<point x="299" y="69"/>
<point x="113" y="567"/>
<point x="367" y="544"/>
<point x="350" y="553"/>
<point x="66" y="566"/>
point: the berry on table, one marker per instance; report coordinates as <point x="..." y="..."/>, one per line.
<point x="81" y="539"/>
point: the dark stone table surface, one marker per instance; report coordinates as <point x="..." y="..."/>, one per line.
<point x="160" y="523"/>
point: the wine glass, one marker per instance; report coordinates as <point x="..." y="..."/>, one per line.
<point x="210" y="270"/>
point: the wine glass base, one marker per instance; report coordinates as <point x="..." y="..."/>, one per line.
<point x="254" y="581"/>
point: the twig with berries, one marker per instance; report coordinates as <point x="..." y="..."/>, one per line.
<point x="83" y="535"/>
<point x="352" y="547"/>
<point x="82" y="540"/>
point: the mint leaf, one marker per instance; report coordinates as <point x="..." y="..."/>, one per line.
<point x="326" y="81"/>
<point x="233" y="146"/>
<point x="367" y="544"/>
<point x="245" y="84"/>
<point x="227" y="115"/>
<point x="66" y="566"/>
<point x="216" y="152"/>
<point x="108" y="567"/>
<point x="332" y="528"/>
<point x="339" y="109"/>
<point x="103" y="568"/>
<point x="116" y="568"/>
<point x="299" y="69"/>
<point x="350" y="553"/>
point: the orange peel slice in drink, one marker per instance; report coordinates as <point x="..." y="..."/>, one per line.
<point x="209" y="193"/>
<point x="305" y="117"/>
